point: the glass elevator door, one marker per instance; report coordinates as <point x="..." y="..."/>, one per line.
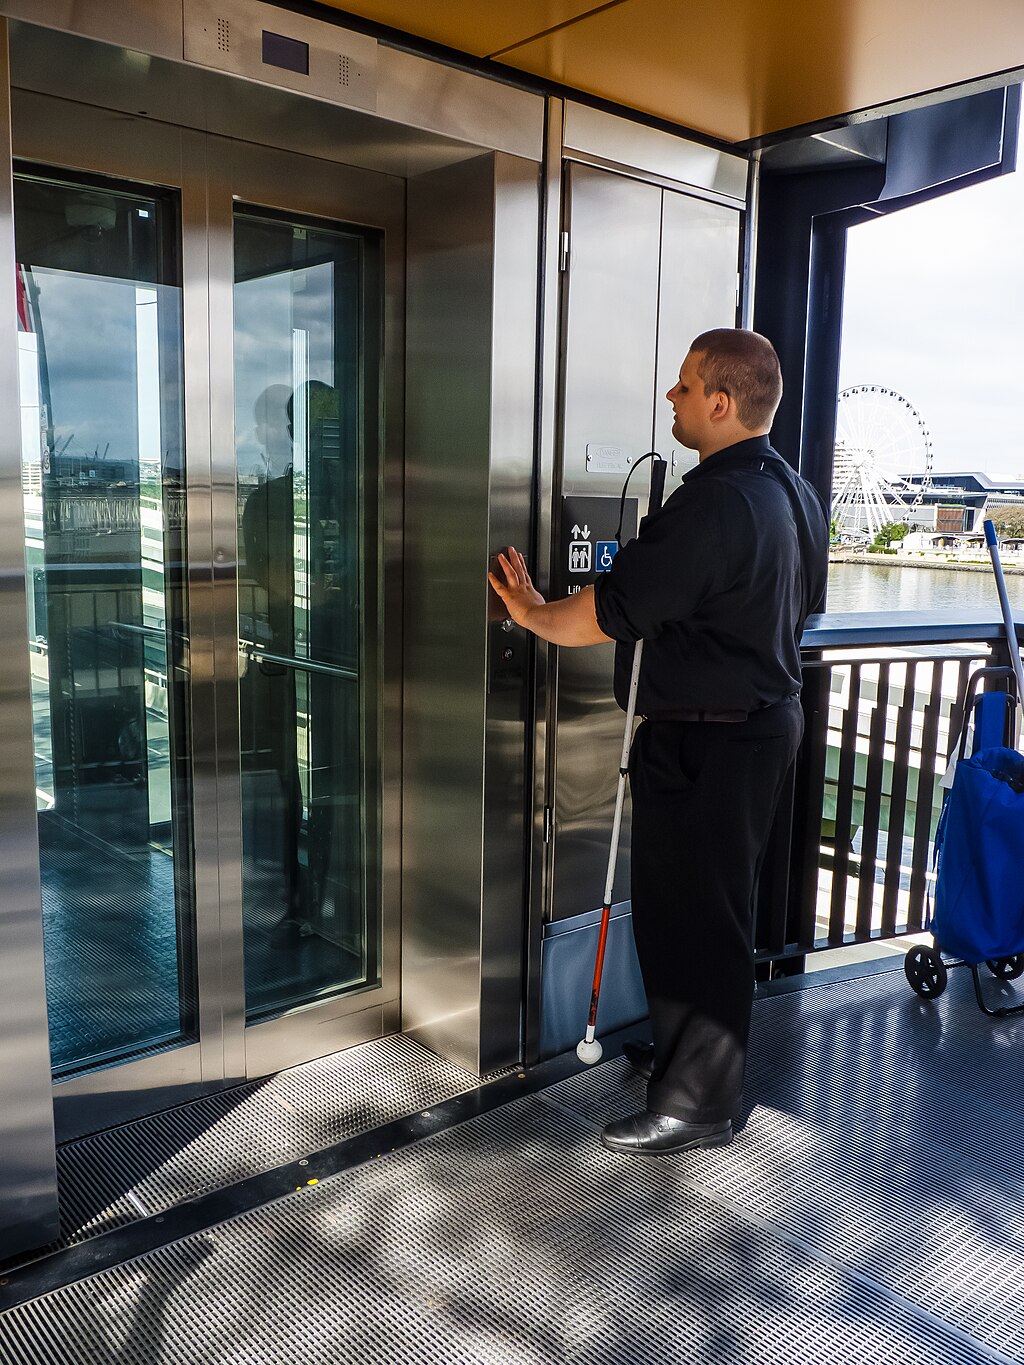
<point x="207" y="387"/>
<point x="100" y="365"/>
<point x="306" y="379"/>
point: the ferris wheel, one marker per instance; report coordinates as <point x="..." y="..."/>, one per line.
<point x="883" y="458"/>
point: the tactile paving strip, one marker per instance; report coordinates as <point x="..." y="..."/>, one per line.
<point x="516" y="1238"/>
<point x="152" y="1164"/>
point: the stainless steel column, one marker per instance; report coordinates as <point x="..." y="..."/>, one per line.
<point x="28" y="1175"/>
<point x="472" y="282"/>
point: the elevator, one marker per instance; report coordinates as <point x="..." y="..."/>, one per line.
<point x="254" y="339"/>
<point x="300" y="328"/>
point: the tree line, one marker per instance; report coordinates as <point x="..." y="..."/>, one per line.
<point x="1008" y="520"/>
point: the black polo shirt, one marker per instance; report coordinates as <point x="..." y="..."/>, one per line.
<point x="718" y="584"/>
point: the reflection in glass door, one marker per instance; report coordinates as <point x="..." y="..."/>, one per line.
<point x="306" y="383"/>
<point x="99" y="349"/>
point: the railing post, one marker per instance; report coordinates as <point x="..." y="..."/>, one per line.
<point x="809" y="791"/>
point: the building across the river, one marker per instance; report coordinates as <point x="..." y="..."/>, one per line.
<point x="955" y="504"/>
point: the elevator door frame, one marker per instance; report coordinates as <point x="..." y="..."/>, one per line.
<point x="212" y="174"/>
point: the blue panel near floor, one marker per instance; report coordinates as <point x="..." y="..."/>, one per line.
<point x="567" y="974"/>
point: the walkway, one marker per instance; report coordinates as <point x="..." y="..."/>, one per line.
<point x="871" y="1210"/>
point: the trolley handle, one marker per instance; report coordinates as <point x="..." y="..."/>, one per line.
<point x="971" y="696"/>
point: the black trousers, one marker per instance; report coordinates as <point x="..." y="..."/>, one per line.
<point x="704" y="796"/>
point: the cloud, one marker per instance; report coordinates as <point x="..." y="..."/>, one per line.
<point x="934" y="308"/>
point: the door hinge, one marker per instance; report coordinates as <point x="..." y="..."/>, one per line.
<point x="563" y="259"/>
<point x="549" y="823"/>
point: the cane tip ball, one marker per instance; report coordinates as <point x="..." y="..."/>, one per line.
<point x="589" y="1052"/>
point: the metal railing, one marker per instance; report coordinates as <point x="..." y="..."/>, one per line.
<point x="850" y="858"/>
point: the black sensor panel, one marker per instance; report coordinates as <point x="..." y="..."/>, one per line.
<point x="287" y="53"/>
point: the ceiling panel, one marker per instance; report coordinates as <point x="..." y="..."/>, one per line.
<point x="662" y="59"/>
<point x="738" y="69"/>
<point x="758" y="66"/>
<point x="480" y="27"/>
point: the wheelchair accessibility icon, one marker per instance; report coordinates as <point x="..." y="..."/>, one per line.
<point x="605" y="553"/>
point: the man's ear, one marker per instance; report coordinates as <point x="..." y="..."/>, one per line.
<point x="721" y="406"/>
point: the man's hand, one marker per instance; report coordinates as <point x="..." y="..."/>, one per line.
<point x="517" y="591"/>
<point x="569" y="621"/>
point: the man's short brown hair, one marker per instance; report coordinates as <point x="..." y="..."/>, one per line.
<point x="744" y="365"/>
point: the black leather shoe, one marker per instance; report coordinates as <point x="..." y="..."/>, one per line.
<point x="640" y="1056"/>
<point x="650" y="1132"/>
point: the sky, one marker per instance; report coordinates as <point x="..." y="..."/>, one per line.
<point x="934" y="308"/>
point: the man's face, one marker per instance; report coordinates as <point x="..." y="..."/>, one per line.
<point x="689" y="404"/>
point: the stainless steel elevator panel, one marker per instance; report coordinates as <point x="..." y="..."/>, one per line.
<point x="611" y="328"/>
<point x="28" y="1176"/>
<point x="427" y="113"/>
<point x="506" y="737"/>
<point x="153" y="27"/>
<point x="654" y="153"/>
<point x="700" y="251"/>
<point x="648" y="269"/>
<point x="262" y="43"/>
<point x="469" y="423"/>
<point x="610" y="355"/>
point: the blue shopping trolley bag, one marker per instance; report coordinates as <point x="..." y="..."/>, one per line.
<point x="979" y="847"/>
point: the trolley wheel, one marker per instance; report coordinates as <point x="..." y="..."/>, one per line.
<point x="1006" y="968"/>
<point x="926" y="971"/>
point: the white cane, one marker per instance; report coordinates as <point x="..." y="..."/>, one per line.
<point x="588" y="1049"/>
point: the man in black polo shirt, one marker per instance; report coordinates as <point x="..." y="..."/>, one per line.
<point x="718" y="584"/>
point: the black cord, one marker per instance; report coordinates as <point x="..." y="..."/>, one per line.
<point x="651" y="455"/>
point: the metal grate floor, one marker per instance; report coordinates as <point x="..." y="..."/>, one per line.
<point x="869" y="1211"/>
<point x="148" y="1166"/>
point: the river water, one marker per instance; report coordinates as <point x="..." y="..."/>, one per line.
<point x="893" y="587"/>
